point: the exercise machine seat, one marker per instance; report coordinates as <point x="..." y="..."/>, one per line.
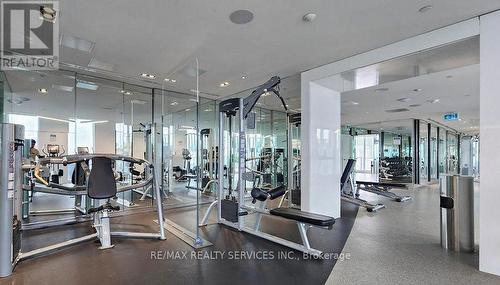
<point x="101" y="183"/>
<point x="304" y="217"/>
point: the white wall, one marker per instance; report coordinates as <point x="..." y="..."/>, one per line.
<point x="58" y="130"/>
<point x="104" y="138"/>
<point x="179" y="145"/>
<point x="489" y="199"/>
<point x="53" y="132"/>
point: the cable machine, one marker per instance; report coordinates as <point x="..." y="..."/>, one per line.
<point x="230" y="204"/>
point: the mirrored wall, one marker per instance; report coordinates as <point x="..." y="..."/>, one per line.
<point x="75" y="113"/>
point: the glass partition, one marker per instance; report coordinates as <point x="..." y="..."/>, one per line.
<point x="442" y="168"/>
<point x="452" y="152"/>
<point x="475" y="157"/>
<point x="423" y="152"/>
<point x="433" y="152"/>
<point x="80" y="113"/>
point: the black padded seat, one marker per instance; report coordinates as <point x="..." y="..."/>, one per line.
<point x="101" y="183"/>
<point x="304" y="217"/>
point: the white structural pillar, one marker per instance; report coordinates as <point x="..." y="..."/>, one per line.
<point x="320" y="149"/>
<point x="489" y="236"/>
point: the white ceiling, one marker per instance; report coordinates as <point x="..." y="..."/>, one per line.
<point x="460" y="93"/>
<point x="162" y="37"/>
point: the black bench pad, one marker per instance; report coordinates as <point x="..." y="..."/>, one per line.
<point x="304" y="217"/>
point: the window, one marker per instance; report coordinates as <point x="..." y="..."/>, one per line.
<point x="367" y="149"/>
<point x="81" y="134"/>
<point x="30" y="124"/>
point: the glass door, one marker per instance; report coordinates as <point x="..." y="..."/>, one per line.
<point x="367" y="153"/>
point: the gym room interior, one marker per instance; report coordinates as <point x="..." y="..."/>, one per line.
<point x="243" y="142"/>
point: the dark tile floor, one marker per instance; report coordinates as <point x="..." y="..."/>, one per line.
<point x="130" y="261"/>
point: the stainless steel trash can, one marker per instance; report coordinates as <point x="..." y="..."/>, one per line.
<point x="457" y="212"/>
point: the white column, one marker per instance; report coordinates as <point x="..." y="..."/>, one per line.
<point x="489" y="236"/>
<point x="320" y="149"/>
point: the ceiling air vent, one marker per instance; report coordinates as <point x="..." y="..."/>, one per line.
<point x="397" y="110"/>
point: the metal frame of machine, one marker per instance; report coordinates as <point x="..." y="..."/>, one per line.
<point x="12" y="139"/>
<point x="232" y="209"/>
<point x="350" y="193"/>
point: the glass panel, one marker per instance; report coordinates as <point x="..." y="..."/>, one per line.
<point x="5" y="96"/>
<point x="43" y="102"/>
<point x="452" y="151"/>
<point x="367" y="155"/>
<point x="475" y="157"/>
<point x="442" y="151"/>
<point x="433" y="152"/>
<point x="423" y="152"/>
<point x="458" y="54"/>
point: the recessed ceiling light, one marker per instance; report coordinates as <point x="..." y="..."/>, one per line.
<point x="224" y="84"/>
<point x="48" y="13"/>
<point x="173" y="80"/>
<point x="434" y="101"/>
<point x="86" y="85"/>
<point x="309" y="17"/>
<point x="140" y="102"/>
<point x="43" y="91"/>
<point x="208" y="110"/>
<point x="417" y="89"/>
<point x="19" y="100"/>
<point x="77" y="43"/>
<point x="125" y="92"/>
<point x="381" y="89"/>
<point x="187" y="110"/>
<point x="241" y="17"/>
<point x="63" y="87"/>
<point x="424" y="9"/>
<point x="403" y="99"/>
<point x="243" y="77"/>
<point x="149" y="76"/>
<point x="174" y="103"/>
<point x="354" y="103"/>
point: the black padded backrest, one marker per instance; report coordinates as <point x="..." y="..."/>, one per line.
<point x="349" y="168"/>
<point x="101" y="183"/>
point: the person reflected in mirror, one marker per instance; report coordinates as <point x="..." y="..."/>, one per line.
<point x="34" y="152"/>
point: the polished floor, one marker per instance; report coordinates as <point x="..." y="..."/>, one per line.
<point x="398" y="245"/>
<point x="130" y="261"/>
<point x="401" y="245"/>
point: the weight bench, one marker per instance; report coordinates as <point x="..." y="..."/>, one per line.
<point x="382" y="189"/>
<point x="303" y="217"/>
<point x="350" y="193"/>
<point x="189" y="178"/>
<point x="304" y="220"/>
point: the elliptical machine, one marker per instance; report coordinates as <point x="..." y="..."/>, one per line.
<point x="54" y="150"/>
